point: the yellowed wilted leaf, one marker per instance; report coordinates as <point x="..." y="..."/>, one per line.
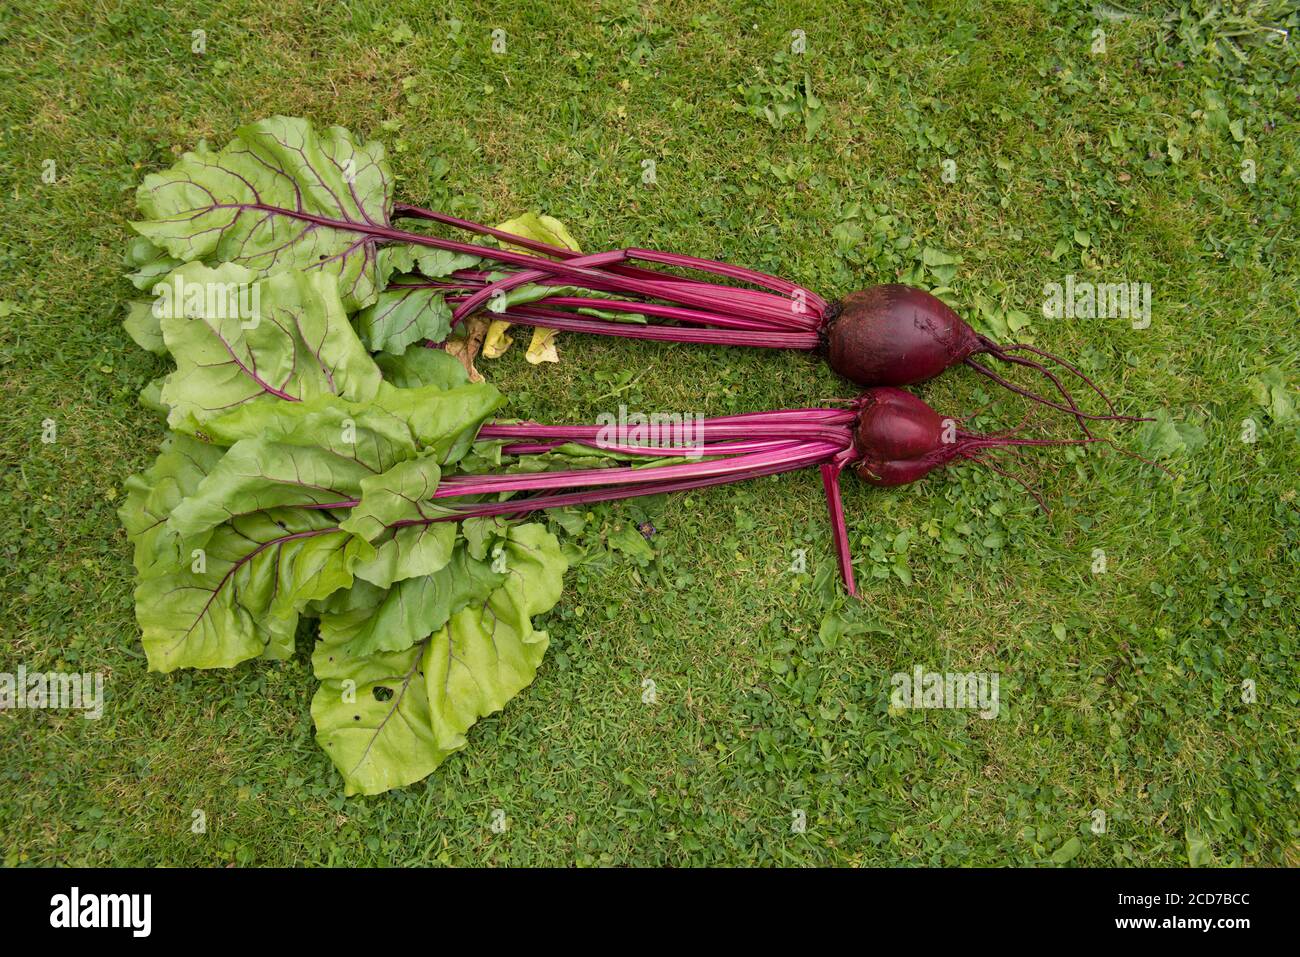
<point x="497" y="342"/>
<point x="544" y="229"/>
<point x="465" y="346"/>
<point x="542" y="348"/>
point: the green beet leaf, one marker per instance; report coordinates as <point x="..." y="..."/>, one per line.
<point x="400" y="494"/>
<point x="405" y="552"/>
<point x="420" y="367"/>
<point x="256" y="475"/>
<point x="390" y="718"/>
<point x="240" y="595"/>
<point x="296" y="344"/>
<point x="360" y="431"/>
<point x="148" y="263"/>
<point x="396" y="515"/>
<point x="372" y="717"/>
<point x="445" y="422"/>
<point x="144" y="328"/>
<point x="412" y="609"/>
<point x="405" y="313"/>
<point x="438" y="263"/>
<point x="153" y="495"/>
<point x="298" y="480"/>
<point x="487" y="654"/>
<point x="249" y="204"/>
<point x="392" y="426"/>
<point x="409" y="309"/>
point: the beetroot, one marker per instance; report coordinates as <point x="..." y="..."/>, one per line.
<point x="898" y="439"/>
<point x="896" y="335"/>
<point x="888" y="436"/>
<point x="888" y="335"/>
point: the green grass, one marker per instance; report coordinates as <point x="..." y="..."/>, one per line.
<point x="1119" y="692"/>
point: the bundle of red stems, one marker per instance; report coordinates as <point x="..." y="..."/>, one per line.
<point x="721" y="450"/>
<point x="778" y="315"/>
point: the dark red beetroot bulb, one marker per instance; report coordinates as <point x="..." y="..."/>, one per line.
<point x="897" y="335"/>
<point x="899" y="438"/>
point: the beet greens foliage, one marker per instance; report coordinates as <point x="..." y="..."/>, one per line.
<point x="295" y="481"/>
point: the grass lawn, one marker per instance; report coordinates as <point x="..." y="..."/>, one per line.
<point x="1163" y="150"/>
